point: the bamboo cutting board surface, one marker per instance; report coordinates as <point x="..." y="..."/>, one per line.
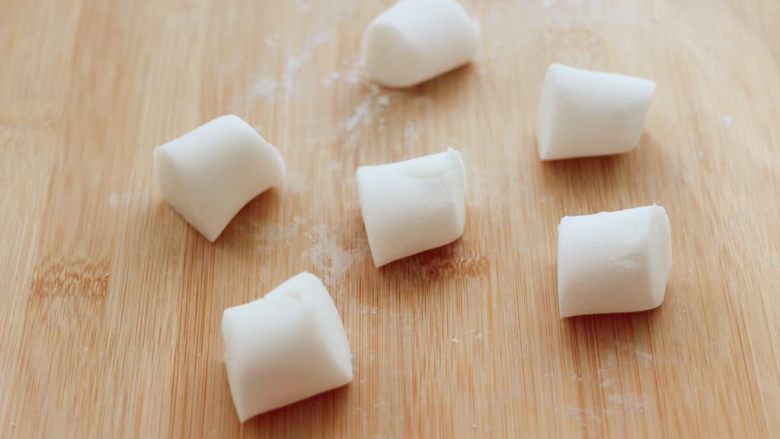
<point x="110" y="306"/>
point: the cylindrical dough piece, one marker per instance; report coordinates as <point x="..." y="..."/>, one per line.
<point x="210" y="173"/>
<point x="587" y="113"/>
<point x="613" y="261"/>
<point x="285" y="347"/>
<point x="412" y="206"/>
<point x="415" y="40"/>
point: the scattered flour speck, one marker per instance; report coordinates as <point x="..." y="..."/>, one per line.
<point x="368" y="109"/>
<point x="267" y="88"/>
<point x="331" y="78"/>
<point x="304" y="6"/>
<point x="353" y="75"/>
<point x="726" y="120"/>
<point x="271" y="234"/>
<point x="477" y="24"/>
<point x="366" y="309"/>
<point x="296" y="62"/>
<point x="642" y="355"/>
<point x="295" y="183"/>
<point x="629" y="403"/>
<point x="272" y="40"/>
<point x="113" y="199"/>
<point x="334" y="166"/>
<point x="578" y="413"/>
<point x="412" y="132"/>
<point x="477" y="335"/>
<point x="263" y="88"/>
<point x="361" y="115"/>
<point x="330" y="259"/>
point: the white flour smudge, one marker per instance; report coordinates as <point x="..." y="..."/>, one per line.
<point x="477" y="335"/>
<point x="334" y="166"/>
<point x="726" y="120"/>
<point x="330" y="259"/>
<point x="113" y="199"/>
<point x="270" y="88"/>
<point x="412" y="132"/>
<point x="608" y="382"/>
<point x="292" y="70"/>
<point x="368" y="109"/>
<point x="578" y="413"/>
<point x="264" y="88"/>
<point x="365" y="309"/>
<point x="304" y="6"/>
<point x="351" y="74"/>
<point x="295" y="63"/>
<point x="361" y="115"/>
<point x="330" y="79"/>
<point x="116" y="198"/>
<point x="295" y="183"/>
<point x="272" y="40"/>
<point x="270" y="234"/>
<point x="642" y="355"/>
<point x="629" y="403"/>
<point x="477" y="24"/>
<point x="626" y="404"/>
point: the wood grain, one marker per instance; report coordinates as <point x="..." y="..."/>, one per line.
<point x="111" y="304"/>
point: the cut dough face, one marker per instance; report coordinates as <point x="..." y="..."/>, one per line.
<point x="210" y="173"/>
<point x="613" y="262"/>
<point x="412" y="206"/>
<point x="586" y="113"/>
<point x="285" y="347"/>
<point x="416" y="40"/>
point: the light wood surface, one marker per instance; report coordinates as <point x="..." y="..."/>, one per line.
<point x="110" y="304"/>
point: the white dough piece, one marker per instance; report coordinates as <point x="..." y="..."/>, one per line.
<point x="412" y="206"/>
<point x="210" y="173"/>
<point x="415" y="40"/>
<point x="285" y="347"/>
<point x="613" y="261"/>
<point x="586" y="113"/>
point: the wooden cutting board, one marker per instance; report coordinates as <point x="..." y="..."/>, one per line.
<point x="111" y="304"/>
